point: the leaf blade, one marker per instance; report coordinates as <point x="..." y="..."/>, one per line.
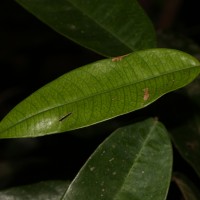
<point x="100" y="91"/>
<point x="111" y="27"/>
<point x="186" y="139"/>
<point x="187" y="188"/>
<point x="124" y="167"/>
<point x="51" y="190"/>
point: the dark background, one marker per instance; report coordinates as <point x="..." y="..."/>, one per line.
<point x="32" y="54"/>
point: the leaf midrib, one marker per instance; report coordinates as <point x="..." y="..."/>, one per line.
<point x="138" y="156"/>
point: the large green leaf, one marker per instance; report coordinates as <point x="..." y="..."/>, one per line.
<point x="49" y="190"/>
<point x="187" y="140"/>
<point x="100" y="91"/>
<point x="111" y="27"/>
<point x="187" y="188"/>
<point x="133" y="163"/>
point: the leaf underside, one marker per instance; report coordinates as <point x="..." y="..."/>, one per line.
<point x="100" y="91"/>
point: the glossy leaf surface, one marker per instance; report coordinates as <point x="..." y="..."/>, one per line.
<point x="49" y="190"/>
<point x="100" y="91"/>
<point x="132" y="163"/>
<point x="187" y="188"/>
<point x="111" y="27"/>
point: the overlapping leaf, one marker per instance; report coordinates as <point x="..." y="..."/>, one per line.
<point x="187" y="140"/>
<point x="100" y="91"/>
<point x="135" y="162"/>
<point x="111" y="27"/>
<point x="187" y="188"/>
<point x="49" y="190"/>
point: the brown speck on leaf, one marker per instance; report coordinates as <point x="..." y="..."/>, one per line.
<point x="146" y="94"/>
<point x="119" y="58"/>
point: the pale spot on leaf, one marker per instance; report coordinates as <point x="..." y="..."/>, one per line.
<point x="92" y="169"/>
<point x="146" y="94"/>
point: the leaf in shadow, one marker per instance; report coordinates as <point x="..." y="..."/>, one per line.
<point x="111" y="28"/>
<point x="187" y="188"/>
<point x="51" y="190"/>
<point x="186" y="139"/>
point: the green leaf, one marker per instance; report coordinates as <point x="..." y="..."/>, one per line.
<point x="100" y="91"/>
<point x="51" y="190"/>
<point x="132" y="163"/>
<point x="187" y="188"/>
<point x="111" y="27"/>
<point x="186" y="138"/>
